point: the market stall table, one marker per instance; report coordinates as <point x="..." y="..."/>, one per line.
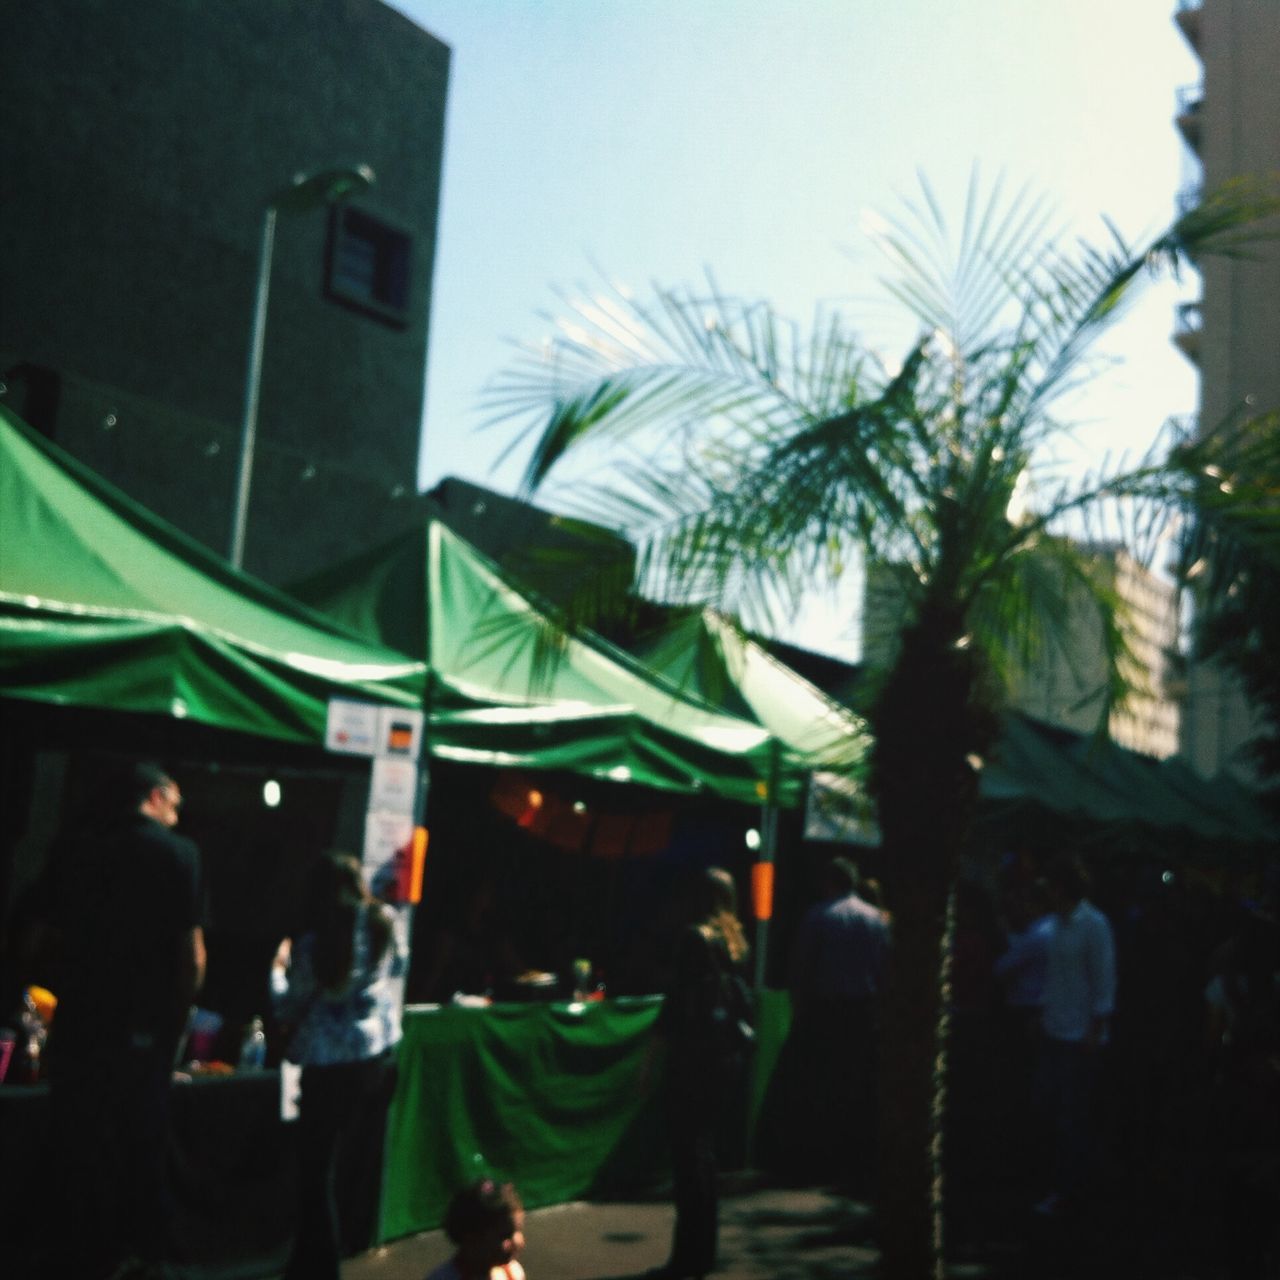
<point x="546" y="1094"/>
<point x="549" y="1095"/>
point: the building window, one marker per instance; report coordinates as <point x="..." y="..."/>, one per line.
<point x="368" y="266"/>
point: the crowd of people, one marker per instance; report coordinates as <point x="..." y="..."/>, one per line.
<point x="1082" y="1024"/>
<point x="115" y="926"/>
<point x="1104" y="1041"/>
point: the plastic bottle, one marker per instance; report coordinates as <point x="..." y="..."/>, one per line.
<point x="581" y="979"/>
<point x="253" y="1048"/>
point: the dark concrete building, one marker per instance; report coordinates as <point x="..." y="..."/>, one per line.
<point x="141" y="146"/>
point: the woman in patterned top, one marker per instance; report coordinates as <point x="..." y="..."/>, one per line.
<point x="334" y="989"/>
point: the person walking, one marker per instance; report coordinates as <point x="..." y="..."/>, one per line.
<point x="334" y="989"/>
<point x="707" y="1052"/>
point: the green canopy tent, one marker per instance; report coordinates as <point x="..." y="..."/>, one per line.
<point x="1038" y="771"/>
<point x="706" y="656"/>
<point x="106" y="609"/>
<point x="1043" y="779"/>
<point x="1140" y="800"/>
<point x="104" y="605"/>
<point x="509" y="688"/>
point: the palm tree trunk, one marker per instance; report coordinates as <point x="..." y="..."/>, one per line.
<point x="927" y="730"/>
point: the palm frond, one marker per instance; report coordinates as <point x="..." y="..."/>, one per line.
<point x="964" y="293"/>
<point x="1019" y="620"/>
<point x="616" y="365"/>
<point x="762" y="458"/>
<point x="1231" y="479"/>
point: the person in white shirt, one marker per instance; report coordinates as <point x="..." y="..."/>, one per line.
<point x="1079" y="999"/>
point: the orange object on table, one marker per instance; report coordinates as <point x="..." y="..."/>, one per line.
<point x="45" y="1002"/>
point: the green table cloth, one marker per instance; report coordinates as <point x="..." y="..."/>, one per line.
<point x="547" y="1095"/>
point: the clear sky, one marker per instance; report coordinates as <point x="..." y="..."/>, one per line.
<point x="657" y="138"/>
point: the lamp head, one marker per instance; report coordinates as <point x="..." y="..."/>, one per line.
<point x="308" y="190"/>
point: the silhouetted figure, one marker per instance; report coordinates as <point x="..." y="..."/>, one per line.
<point x="1079" y="999"/>
<point x="128" y="932"/>
<point x="706" y="1062"/>
<point x="1023" y="966"/>
<point x="1243" y="1006"/>
<point x="472" y="952"/>
<point x="973" y="1038"/>
<point x="1021" y="970"/>
<point x="837" y="976"/>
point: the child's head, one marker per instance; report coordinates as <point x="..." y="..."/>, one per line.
<point x="486" y="1222"/>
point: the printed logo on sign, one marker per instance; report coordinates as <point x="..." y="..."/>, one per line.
<point x="400" y="732"/>
<point x="352" y="727"/>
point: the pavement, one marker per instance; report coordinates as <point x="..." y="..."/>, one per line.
<point x="774" y="1232"/>
<point x="770" y="1231"/>
<point x="766" y="1233"/>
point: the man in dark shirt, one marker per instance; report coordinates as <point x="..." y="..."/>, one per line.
<point x="841" y="949"/>
<point x="129" y="932"/>
<point x="837" y="974"/>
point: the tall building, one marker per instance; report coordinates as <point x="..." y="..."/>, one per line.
<point x="1231" y="125"/>
<point x="143" y="144"/>
<point x="1065" y="685"/>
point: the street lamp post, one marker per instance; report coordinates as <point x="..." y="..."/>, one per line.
<point x="306" y="191"/>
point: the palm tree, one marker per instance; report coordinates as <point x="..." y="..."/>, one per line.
<point x="768" y="460"/>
